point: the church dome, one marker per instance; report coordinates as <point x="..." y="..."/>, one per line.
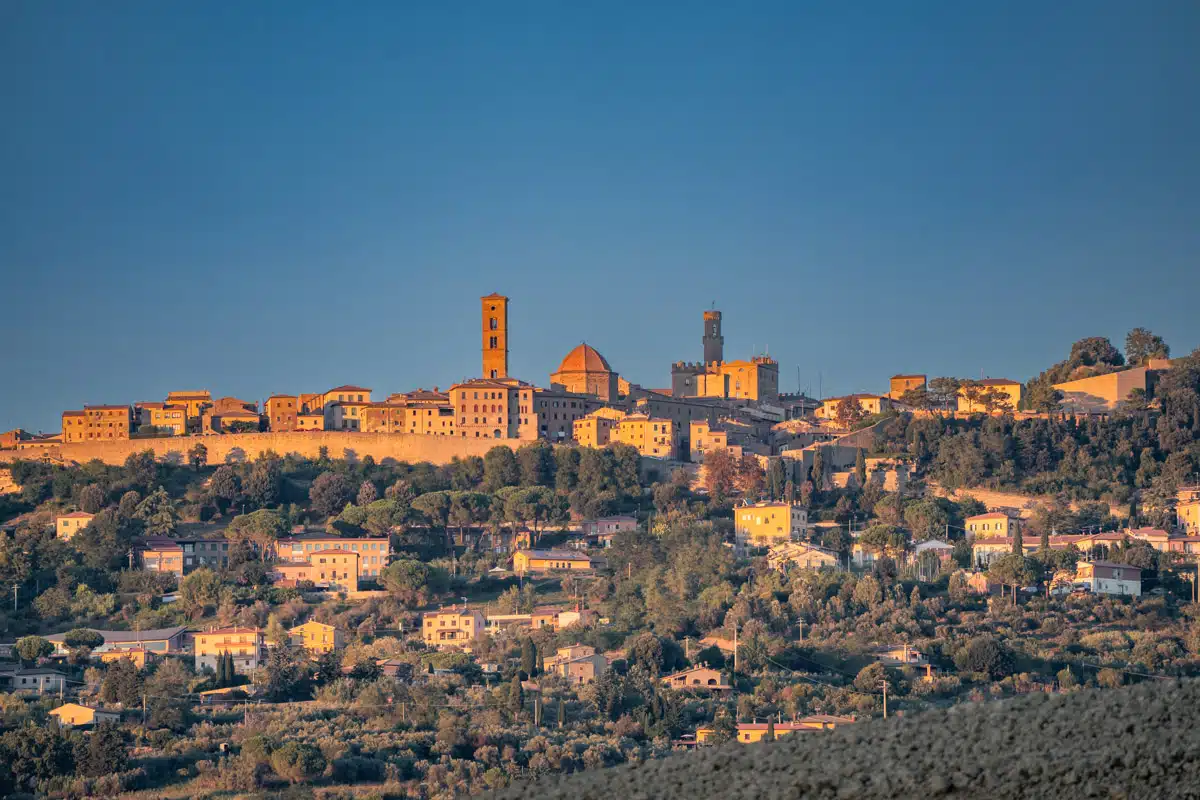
<point x="584" y="358"/>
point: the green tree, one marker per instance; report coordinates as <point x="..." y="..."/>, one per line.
<point x="367" y="494"/>
<point x="36" y="754"/>
<point x="1014" y="570"/>
<point x="860" y="467"/>
<point x="985" y="654"/>
<point x="197" y="456"/>
<point x="157" y="512"/>
<point x="264" y="484"/>
<point x="329" y="493"/>
<point x="200" y="592"/>
<point x="1141" y="345"/>
<point x="528" y="657"/>
<point x="500" y="469"/>
<point x="537" y="464"/>
<point x="297" y="762"/>
<point x="167" y="695"/>
<point x="720" y="473"/>
<point x="770" y="734"/>
<point x="122" y="683"/>
<point x="849" y="411"/>
<point x="818" y="469"/>
<point x="225" y="486"/>
<point x="275" y="632"/>
<point x="261" y="528"/>
<point x="128" y="505"/>
<point x="31" y="648"/>
<point x="286" y="674"/>
<point x="516" y="695"/>
<point x="82" y="637"/>
<point x="91" y="498"/>
<point x="104" y="752"/>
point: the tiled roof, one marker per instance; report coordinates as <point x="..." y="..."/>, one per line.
<point x="348" y="388"/>
<point x="76" y="515"/>
<point x="561" y="555"/>
<point x="228" y="631"/>
<point x="122" y="637"/>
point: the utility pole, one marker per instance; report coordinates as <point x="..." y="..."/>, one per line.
<point x="143" y="709"/>
<point x="884" y="682"/>
<point x="131" y="558"/>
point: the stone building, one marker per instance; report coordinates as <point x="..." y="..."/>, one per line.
<point x="494" y="315"/>
<point x="97" y="423"/>
<point x="281" y="411"/>
<point x="584" y="371"/>
<point x="753" y="380"/>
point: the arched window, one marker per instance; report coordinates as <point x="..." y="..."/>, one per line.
<point x="496" y="434"/>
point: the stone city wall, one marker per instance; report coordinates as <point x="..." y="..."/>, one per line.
<point x="238" y="447"/>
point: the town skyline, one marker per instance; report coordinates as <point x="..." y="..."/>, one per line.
<point x="863" y="198"/>
<point x="820" y="387"/>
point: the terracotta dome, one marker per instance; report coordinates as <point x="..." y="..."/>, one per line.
<point x="584" y="358"/>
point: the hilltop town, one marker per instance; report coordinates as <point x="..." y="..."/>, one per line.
<point x="451" y="590"/>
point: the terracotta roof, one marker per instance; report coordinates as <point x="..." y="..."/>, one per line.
<point x="858" y="396"/>
<point x="282" y="397"/>
<point x="227" y="630"/>
<point x="493" y="296"/>
<point x="105" y="408"/>
<point x="894" y="377"/>
<point x="348" y="388"/>
<point x="1114" y="565"/>
<point x="584" y="358"/>
<point x="996" y="382"/>
<point x="76" y="515"/>
<point x="334" y="553"/>
<point x="73" y="413"/>
<point x="989" y="515"/>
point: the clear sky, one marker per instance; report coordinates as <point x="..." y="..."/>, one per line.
<point x="285" y="196"/>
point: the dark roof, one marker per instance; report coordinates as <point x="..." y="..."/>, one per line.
<point x="123" y="637"/>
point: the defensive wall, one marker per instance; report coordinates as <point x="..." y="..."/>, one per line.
<point x="238" y="447"/>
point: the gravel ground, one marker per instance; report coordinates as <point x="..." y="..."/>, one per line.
<point x="1135" y="742"/>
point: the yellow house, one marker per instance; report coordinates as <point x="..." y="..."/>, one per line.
<point x="869" y="403"/>
<point x="652" y="436"/>
<point x="750" y="732"/>
<point x="317" y="637"/>
<point x="1187" y="509"/>
<point x="995" y="523"/>
<point x="765" y="524"/>
<point x="595" y="430"/>
<point x="247" y="646"/>
<point x="138" y="655"/>
<point x="67" y="525"/>
<point x="972" y="396"/>
<point x="900" y="384"/>
<point x="73" y="715"/>
<point x="332" y="569"/>
<point x="549" y="561"/>
<point x="452" y="628"/>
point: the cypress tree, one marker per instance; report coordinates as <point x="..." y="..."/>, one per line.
<point x="1018" y="546"/>
<point x="528" y="657"/>
<point x="770" y="737"/>
<point x="516" y="695"/>
<point x="562" y="711"/>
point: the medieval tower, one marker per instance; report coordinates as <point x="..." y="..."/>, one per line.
<point x="495" y="336"/>
<point x="714" y="342"/>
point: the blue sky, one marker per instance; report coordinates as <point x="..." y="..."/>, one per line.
<point x="286" y="196"/>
